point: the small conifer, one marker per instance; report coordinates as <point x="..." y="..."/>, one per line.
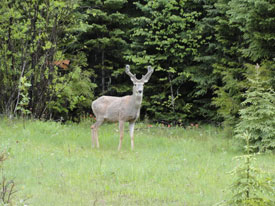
<point x="251" y="186"/>
<point x="258" y="113"/>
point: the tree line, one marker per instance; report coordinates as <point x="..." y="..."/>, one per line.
<point x="57" y="56"/>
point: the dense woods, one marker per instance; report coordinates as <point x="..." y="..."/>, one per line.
<point x="56" y="56"/>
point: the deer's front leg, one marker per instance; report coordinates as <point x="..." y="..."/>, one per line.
<point x="94" y="132"/>
<point x="131" y="128"/>
<point x="121" y="131"/>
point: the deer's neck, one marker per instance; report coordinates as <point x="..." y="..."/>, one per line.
<point x="136" y="101"/>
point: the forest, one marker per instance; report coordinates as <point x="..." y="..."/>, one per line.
<point x="213" y="59"/>
<point x="206" y="134"/>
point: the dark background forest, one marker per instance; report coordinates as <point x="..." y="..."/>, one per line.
<point x="209" y="56"/>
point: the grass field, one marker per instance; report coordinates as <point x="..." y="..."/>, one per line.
<point x="54" y="165"/>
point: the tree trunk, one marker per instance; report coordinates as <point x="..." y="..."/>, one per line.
<point x="172" y="93"/>
<point x="103" y="71"/>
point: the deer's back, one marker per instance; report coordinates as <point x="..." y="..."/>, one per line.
<point x="107" y="108"/>
<point x="113" y="109"/>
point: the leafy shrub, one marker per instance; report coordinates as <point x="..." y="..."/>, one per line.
<point x="25" y="99"/>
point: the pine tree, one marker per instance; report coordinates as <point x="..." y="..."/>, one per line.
<point x="202" y="71"/>
<point x="105" y="42"/>
<point x="255" y="19"/>
<point x="251" y="186"/>
<point x="228" y="65"/>
<point x="245" y="33"/>
<point x="165" y="36"/>
<point x="258" y="113"/>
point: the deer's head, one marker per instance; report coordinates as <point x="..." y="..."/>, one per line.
<point x="138" y="83"/>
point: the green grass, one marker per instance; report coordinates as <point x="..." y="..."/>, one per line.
<point x="55" y="165"/>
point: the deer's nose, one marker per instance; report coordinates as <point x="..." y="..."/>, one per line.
<point x="140" y="91"/>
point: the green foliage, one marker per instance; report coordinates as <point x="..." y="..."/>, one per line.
<point x="165" y="36"/>
<point x="244" y="33"/>
<point x="251" y="186"/>
<point x="106" y="41"/>
<point x="228" y="65"/>
<point x="198" y="49"/>
<point x="204" y="72"/>
<point x="255" y="19"/>
<point x="229" y="94"/>
<point x="24" y="96"/>
<point x="257" y="115"/>
<point x="72" y="93"/>
<point x="35" y="35"/>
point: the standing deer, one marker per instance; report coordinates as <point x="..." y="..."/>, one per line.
<point x="120" y="109"/>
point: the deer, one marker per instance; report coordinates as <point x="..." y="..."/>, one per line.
<point x="120" y="109"/>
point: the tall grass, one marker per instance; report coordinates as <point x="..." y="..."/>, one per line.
<point x="55" y="164"/>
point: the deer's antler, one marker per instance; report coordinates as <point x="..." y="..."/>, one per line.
<point x="127" y="70"/>
<point x="146" y="77"/>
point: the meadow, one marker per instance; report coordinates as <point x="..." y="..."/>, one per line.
<point x="54" y="164"/>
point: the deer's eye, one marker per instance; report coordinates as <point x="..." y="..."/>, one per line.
<point x="135" y="85"/>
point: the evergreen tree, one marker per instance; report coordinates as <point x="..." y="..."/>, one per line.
<point x="251" y="186"/>
<point x="166" y="37"/>
<point x="258" y="113"/>
<point x="245" y="33"/>
<point x="255" y="19"/>
<point x="208" y="54"/>
<point x="228" y="65"/>
<point x="105" y="42"/>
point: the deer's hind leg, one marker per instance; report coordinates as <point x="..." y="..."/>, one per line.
<point x="121" y="131"/>
<point x="94" y="132"/>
